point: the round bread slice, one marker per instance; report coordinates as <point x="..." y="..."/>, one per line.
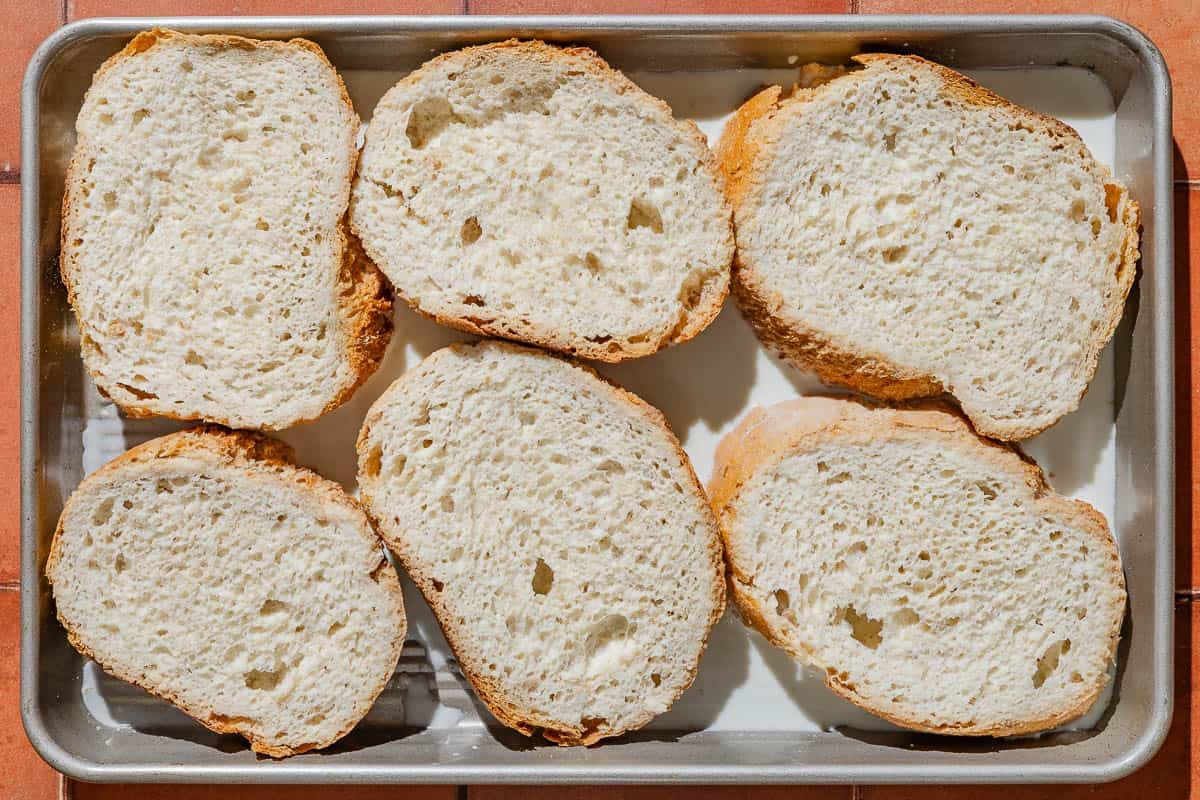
<point x="903" y="232"/>
<point x="930" y="573"/>
<point x="535" y="193"/>
<point x="557" y="531"/>
<point x="204" y="248"/>
<point x="253" y="594"/>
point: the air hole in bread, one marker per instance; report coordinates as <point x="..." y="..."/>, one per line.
<point x="782" y="601"/>
<point x="592" y="263"/>
<point x="1112" y="200"/>
<point x="656" y="679"/>
<point x="103" y="512"/>
<point x="471" y="231"/>
<point x="120" y="564"/>
<point x="127" y="504"/>
<point x="905" y="617"/>
<point x="543" y="578"/>
<point x="893" y="254"/>
<point x="644" y="214"/>
<point x="865" y="630"/>
<point x="271" y="606"/>
<point x="1049" y="661"/>
<point x="988" y="492"/>
<point x="377" y="573"/>
<point x="264" y="680"/>
<point x="1077" y="210"/>
<point x="427" y="119"/>
<point x="140" y="394"/>
<point x="592" y="724"/>
<point x="193" y="358"/>
<point x="334" y="628"/>
<point x="374" y="459"/>
<point x="889" y="142"/>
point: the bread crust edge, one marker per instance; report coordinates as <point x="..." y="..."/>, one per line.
<point x="741" y="455"/>
<point x="363" y="295"/>
<point x="248" y="451"/>
<point x="742" y="150"/>
<point x="523" y="720"/>
<point x="694" y="317"/>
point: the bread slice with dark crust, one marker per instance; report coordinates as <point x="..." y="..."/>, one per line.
<point x="931" y="574"/>
<point x="557" y="530"/>
<point x="204" y="246"/>
<point x="210" y="570"/>
<point x="533" y="192"/>
<point x="904" y="232"/>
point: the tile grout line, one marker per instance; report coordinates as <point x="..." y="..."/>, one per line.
<point x="10" y="586"/>
<point x="10" y="177"/>
<point x="1187" y="595"/>
<point x="462" y="792"/>
<point x="1191" y="184"/>
<point x="66" y="12"/>
<point x="65" y="789"/>
<point x="856" y="791"/>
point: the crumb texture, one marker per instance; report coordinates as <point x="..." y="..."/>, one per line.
<point x="932" y="576"/>
<point x="557" y="531"/>
<point x="249" y="592"/>
<point x="535" y="193"/>
<point x="901" y="221"/>
<point x="203" y="245"/>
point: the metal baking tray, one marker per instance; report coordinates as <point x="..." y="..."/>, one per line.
<point x="752" y="716"/>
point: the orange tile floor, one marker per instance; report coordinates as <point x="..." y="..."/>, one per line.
<point x="1173" y="24"/>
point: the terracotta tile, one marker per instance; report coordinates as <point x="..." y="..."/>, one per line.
<point x="657" y="7"/>
<point x="1172" y="774"/>
<point x="27" y="23"/>
<point x="23" y="774"/>
<point x="1187" y="385"/>
<point x="659" y="793"/>
<point x="120" y="791"/>
<point x="10" y="383"/>
<point x="78" y="9"/>
<point x="1173" y="25"/>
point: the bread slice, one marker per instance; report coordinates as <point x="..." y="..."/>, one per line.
<point x="208" y="569"/>
<point x="903" y="232"/>
<point x="557" y="531"/>
<point x="203" y="243"/>
<point x="533" y="192"/>
<point x="932" y="574"/>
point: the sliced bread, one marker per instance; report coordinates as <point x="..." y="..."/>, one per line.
<point x="203" y="243"/>
<point x="903" y="232"/>
<point x="930" y="573"/>
<point x="253" y="594"/>
<point x="556" y="529"/>
<point x="533" y="192"/>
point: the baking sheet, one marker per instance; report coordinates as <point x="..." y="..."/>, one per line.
<point x="703" y="387"/>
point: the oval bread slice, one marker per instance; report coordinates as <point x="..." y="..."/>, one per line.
<point x="930" y="573"/>
<point x="535" y="193"/>
<point x="556" y="529"/>
<point x="903" y="232"/>
<point x="253" y="594"/>
<point x="203" y="244"/>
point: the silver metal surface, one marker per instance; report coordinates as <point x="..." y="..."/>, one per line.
<point x="382" y="750"/>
